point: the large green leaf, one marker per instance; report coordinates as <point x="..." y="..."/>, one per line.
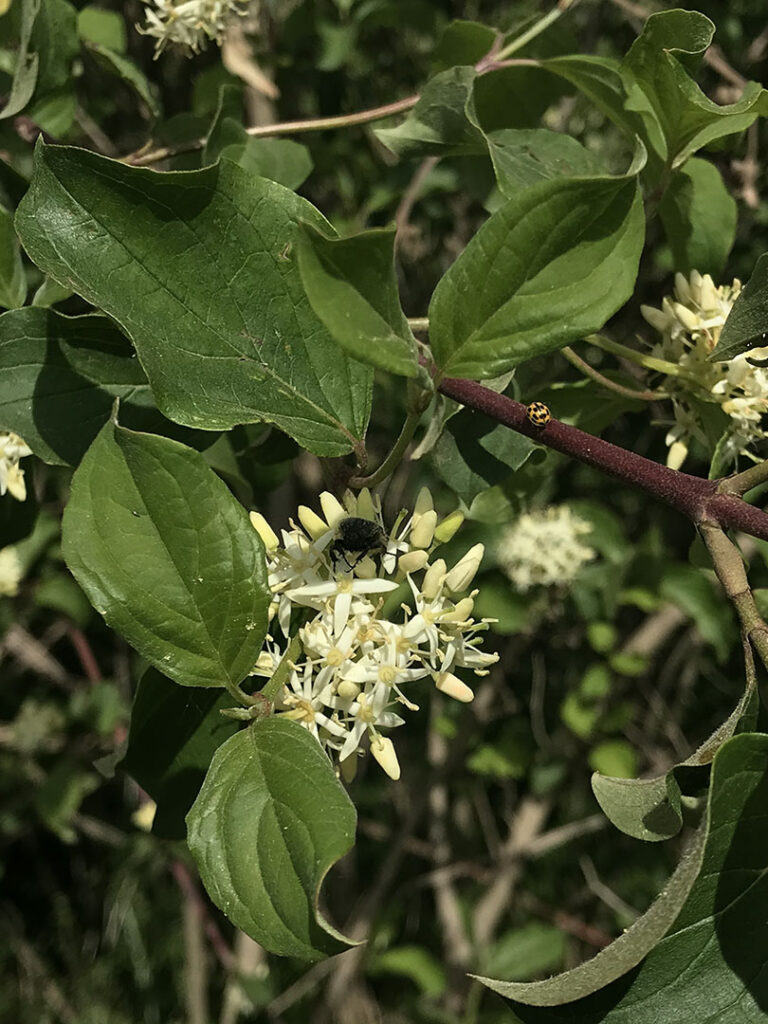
<point x="679" y="119"/>
<point x="698" y="954"/>
<point x="549" y="266"/>
<point x="198" y="269"/>
<point x="527" y="156"/>
<point x="699" y="216"/>
<point x="174" y="734"/>
<point x="13" y="283"/>
<point x="59" y="377"/>
<point x="747" y="323"/>
<point x="270" y="821"/>
<point x="168" y="557"/>
<point x="352" y="287"/>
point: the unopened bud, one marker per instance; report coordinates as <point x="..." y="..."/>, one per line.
<point x="383" y="750"/>
<point x="423" y="531"/>
<point x="365" y="506"/>
<point x="687" y="318"/>
<point x="655" y="317"/>
<point x="462" y="574"/>
<point x="676" y="455"/>
<point x="265" y="531"/>
<point x="433" y="578"/>
<point x="682" y="288"/>
<point x="312" y="523"/>
<point x="708" y="294"/>
<point x="332" y="508"/>
<point x="461" y="612"/>
<point x="424" y="502"/>
<point x="347" y="689"/>
<point x="452" y="686"/>
<point x="412" y="561"/>
<point x="448" y="527"/>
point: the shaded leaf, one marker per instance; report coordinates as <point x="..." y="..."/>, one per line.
<point x="523" y="157"/>
<point x="747" y="323"/>
<point x="197" y="269"/>
<point x="130" y="73"/>
<point x="352" y="287"/>
<point x="168" y="557"/>
<point x="462" y="43"/>
<point x="698" y="953"/>
<point x="174" y="734"/>
<point x="13" y="283"/>
<point x="270" y="821"/>
<point x="699" y="217"/>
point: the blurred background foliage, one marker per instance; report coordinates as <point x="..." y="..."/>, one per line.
<point x="491" y="855"/>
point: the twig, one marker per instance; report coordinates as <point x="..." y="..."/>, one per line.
<point x="34" y="656"/>
<point x="604" y="892"/>
<point x="411" y="194"/>
<point x="395" y="456"/>
<point x="85" y="654"/>
<point x="589" y="371"/>
<point x="195" y="969"/>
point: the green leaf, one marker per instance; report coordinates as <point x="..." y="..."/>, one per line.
<point x="523" y="157"/>
<point x="13" y="283"/>
<point x="698" y="953"/>
<point x="474" y="453"/>
<point x="600" y="80"/>
<point x="522" y="953"/>
<point x="615" y="758"/>
<point x="173" y="736"/>
<point x="352" y="287"/>
<point x="412" y="962"/>
<point x="104" y="28"/>
<point x="168" y="557"/>
<point x="462" y="43"/>
<point x="60" y="796"/>
<point x="130" y="73"/>
<point x="43" y="85"/>
<point x="438" y="125"/>
<point x="282" y="160"/>
<point x="270" y="821"/>
<point x="679" y="119"/>
<point x="652" y="809"/>
<point x="696" y="595"/>
<point x="747" y="323"/>
<point x="550" y="266"/>
<point x="59" y="377"/>
<point x="197" y="269"/>
<point x="699" y="216"/>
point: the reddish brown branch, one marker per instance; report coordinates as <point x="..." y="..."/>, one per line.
<point x="695" y="497"/>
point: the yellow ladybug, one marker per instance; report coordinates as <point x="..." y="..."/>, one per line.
<point x="538" y="414"/>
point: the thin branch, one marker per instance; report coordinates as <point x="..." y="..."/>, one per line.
<point x="742" y="482"/>
<point x="395" y="456"/>
<point x="693" y="496"/>
<point x="589" y="371"/>
<point x="411" y="195"/>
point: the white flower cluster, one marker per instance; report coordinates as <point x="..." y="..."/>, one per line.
<point x="10" y="572"/>
<point x="544" y="548"/>
<point x="12" y="448"/>
<point x="690" y="326"/>
<point x="355" y="660"/>
<point x="190" y="23"/>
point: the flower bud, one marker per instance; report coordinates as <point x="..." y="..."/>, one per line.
<point x="687" y="318"/>
<point x="366" y="569"/>
<point x="424" y="502"/>
<point x="655" y="317"/>
<point x="265" y="531"/>
<point x="365" y="506"/>
<point x="448" y="527"/>
<point x="312" y="523"/>
<point x="332" y="508"/>
<point x="461" y="612"/>
<point x="709" y="297"/>
<point x="676" y="455"/>
<point x="682" y="288"/>
<point x="424" y="529"/>
<point x="433" y="578"/>
<point x="452" y="686"/>
<point x="383" y="750"/>
<point x="347" y="689"/>
<point x="462" y="574"/>
<point x="412" y="561"/>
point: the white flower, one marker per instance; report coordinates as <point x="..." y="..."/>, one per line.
<point x="10" y="572"/>
<point x="690" y="326"/>
<point x="190" y="23"/>
<point x="355" y="662"/>
<point x="12" y="448"/>
<point x="544" y="548"/>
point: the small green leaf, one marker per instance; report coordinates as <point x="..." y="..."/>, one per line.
<point x="549" y="266"/>
<point x="13" y="283"/>
<point x="270" y="821"/>
<point x="131" y="74"/>
<point x="438" y="124"/>
<point x="352" y="287"/>
<point x="600" y="80"/>
<point x="105" y="28"/>
<point x="747" y="323"/>
<point x="462" y="43"/>
<point x="522" y="953"/>
<point x="652" y="809"/>
<point x="696" y="595"/>
<point x="168" y="557"/>
<point x="615" y="758"/>
<point x="174" y="734"/>
<point x="474" y="453"/>
<point x="59" y="377"/>
<point x="699" y="216"/>
<point x="60" y="796"/>
<point x="698" y="954"/>
<point x="412" y="962"/>
<point x="197" y="267"/>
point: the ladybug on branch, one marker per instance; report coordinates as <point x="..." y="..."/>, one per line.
<point x="538" y="414"/>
